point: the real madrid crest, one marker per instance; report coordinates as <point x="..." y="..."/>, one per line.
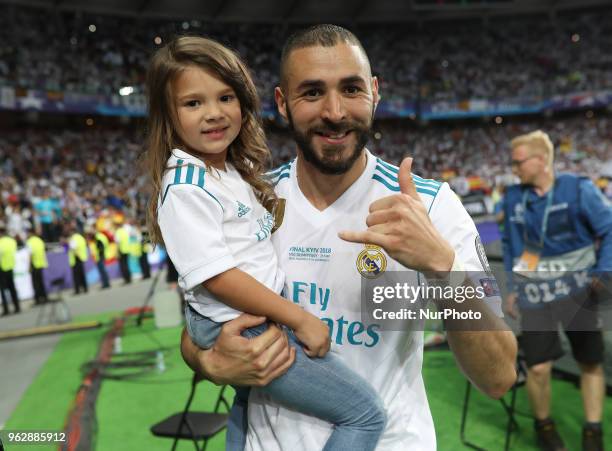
<point x="371" y="262"/>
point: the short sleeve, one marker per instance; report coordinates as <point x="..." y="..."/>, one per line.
<point x="191" y="223"/>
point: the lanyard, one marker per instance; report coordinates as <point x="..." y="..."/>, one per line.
<point x="549" y="199"/>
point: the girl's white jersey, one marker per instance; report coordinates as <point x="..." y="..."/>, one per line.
<point x="211" y="221"/>
<point x="323" y="276"/>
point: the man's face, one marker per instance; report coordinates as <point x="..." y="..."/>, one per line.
<point x="328" y="100"/>
<point x="527" y="165"/>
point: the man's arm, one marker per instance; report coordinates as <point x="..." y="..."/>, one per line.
<point x="510" y="306"/>
<point x="401" y="225"/>
<point x="487" y="354"/>
<point x="598" y="213"/>
<point x="236" y="360"/>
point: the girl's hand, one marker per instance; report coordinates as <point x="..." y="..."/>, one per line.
<point x="314" y="335"/>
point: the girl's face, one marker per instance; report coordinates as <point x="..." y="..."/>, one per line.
<point x="208" y="113"/>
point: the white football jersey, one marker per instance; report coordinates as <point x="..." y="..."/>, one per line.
<point x="211" y="221"/>
<point x="322" y="275"/>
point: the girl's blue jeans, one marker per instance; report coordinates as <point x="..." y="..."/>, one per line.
<point x="322" y="387"/>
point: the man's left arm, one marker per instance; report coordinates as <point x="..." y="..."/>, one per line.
<point x="485" y="349"/>
<point x="487" y="356"/>
<point x="402" y="226"/>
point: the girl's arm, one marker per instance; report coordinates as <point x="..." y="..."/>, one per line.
<point x="239" y="290"/>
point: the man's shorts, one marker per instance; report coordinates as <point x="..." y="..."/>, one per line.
<point x="539" y="347"/>
<point x="540" y="339"/>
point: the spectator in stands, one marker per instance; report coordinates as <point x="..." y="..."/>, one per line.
<point x="505" y="57"/>
<point x="440" y="150"/>
<point x="46" y="210"/>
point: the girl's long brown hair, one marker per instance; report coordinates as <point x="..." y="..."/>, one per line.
<point x="248" y="153"/>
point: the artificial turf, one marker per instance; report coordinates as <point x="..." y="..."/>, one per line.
<point x="126" y="409"/>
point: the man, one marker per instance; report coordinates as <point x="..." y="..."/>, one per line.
<point x="552" y="223"/>
<point x="77" y="256"/>
<point x="141" y="247"/>
<point x="328" y="97"/>
<point x="122" y="237"/>
<point x="38" y="262"/>
<point x="45" y="210"/>
<point x="8" y="251"/>
<point x="98" y="247"/>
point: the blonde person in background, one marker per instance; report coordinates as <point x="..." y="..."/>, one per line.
<point x="561" y="222"/>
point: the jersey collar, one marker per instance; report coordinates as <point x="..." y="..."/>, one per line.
<point x="353" y="194"/>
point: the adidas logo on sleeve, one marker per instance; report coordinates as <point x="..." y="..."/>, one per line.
<point x="242" y="209"/>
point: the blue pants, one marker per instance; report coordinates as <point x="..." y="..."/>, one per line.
<point x="103" y="274"/>
<point x="321" y="387"/>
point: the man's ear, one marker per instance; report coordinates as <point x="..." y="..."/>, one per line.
<point x="281" y="102"/>
<point x="375" y="93"/>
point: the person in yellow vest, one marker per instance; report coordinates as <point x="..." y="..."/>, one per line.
<point x="38" y="261"/>
<point x="77" y="256"/>
<point x="140" y="247"/>
<point x="122" y="237"/>
<point x="146" y="248"/>
<point x="98" y="247"/>
<point x="8" y="250"/>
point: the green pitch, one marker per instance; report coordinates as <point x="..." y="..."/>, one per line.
<point x="126" y="409"/>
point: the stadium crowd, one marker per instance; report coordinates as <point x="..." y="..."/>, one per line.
<point x="481" y="150"/>
<point x="527" y="56"/>
<point x="51" y="177"/>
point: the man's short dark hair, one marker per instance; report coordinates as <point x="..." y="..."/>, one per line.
<point x="324" y="35"/>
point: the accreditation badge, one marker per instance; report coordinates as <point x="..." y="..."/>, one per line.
<point x="528" y="261"/>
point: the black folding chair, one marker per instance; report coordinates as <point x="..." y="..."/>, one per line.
<point x="512" y="425"/>
<point x="55" y="310"/>
<point x="195" y="426"/>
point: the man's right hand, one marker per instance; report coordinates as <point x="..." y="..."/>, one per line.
<point x="237" y="360"/>
<point x="510" y="305"/>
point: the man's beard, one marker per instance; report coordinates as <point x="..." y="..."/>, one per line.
<point x="331" y="166"/>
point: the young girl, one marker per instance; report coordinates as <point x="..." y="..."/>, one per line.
<point x="206" y="157"/>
